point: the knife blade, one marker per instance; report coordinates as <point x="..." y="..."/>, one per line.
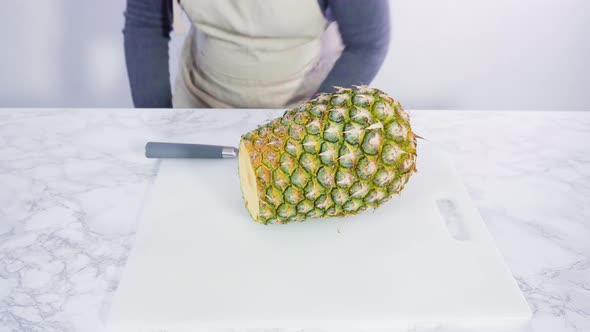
<point x="182" y="150"/>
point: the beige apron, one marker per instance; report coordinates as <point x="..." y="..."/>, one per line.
<point x="254" y="53"/>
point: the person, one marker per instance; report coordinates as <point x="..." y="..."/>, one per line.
<point x="253" y="53"/>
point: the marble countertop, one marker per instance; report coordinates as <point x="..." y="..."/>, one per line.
<point x="72" y="184"/>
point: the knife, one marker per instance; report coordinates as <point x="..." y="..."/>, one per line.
<point x="181" y="150"/>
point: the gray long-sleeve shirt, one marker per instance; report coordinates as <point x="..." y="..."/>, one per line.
<point x="364" y="27"/>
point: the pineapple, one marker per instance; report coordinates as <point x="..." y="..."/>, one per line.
<point x="336" y="155"/>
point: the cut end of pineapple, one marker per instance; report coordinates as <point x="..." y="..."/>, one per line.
<point x="248" y="182"/>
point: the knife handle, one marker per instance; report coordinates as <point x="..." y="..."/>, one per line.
<point x="181" y="150"/>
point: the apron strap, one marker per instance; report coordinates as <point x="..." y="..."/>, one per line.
<point x="178" y="23"/>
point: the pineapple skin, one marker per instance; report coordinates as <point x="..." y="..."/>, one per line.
<point x="336" y="155"/>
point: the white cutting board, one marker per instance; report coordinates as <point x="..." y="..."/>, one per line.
<point x="200" y="261"/>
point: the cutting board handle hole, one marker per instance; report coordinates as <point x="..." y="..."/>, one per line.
<point x="453" y="218"/>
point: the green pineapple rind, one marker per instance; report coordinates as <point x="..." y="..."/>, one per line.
<point x="336" y="155"/>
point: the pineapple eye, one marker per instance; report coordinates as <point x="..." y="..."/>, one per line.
<point x="408" y="163"/>
<point x="322" y="99"/>
<point x="270" y="158"/>
<point x="391" y="154"/>
<point x="344" y="179"/>
<point x="318" y="111"/>
<point x="352" y="205"/>
<point x="274" y="142"/>
<point x="328" y="154"/>
<point x="371" y="142"/>
<point x="315" y="213"/>
<point x="287" y="118"/>
<point x="296" y="132"/>
<point x="299" y="178"/>
<point x="303" y="108"/>
<point x="324" y="202"/>
<point x="286" y="211"/>
<point x="363" y="100"/>
<point x="325" y="177"/>
<point x="259" y="144"/>
<point x="293" y="195"/>
<point x="366" y="168"/>
<point x="301" y="118"/>
<point x="314" y="127"/>
<point x="293" y="148"/>
<point x="352" y="133"/>
<point x="267" y="215"/>
<point x="365" y="89"/>
<point x="395" y="186"/>
<point x="333" y="132"/>
<point x="313" y="190"/>
<point x="360" y="115"/>
<point x="396" y="131"/>
<point x="287" y="163"/>
<point x="280" y="180"/>
<point x="383" y="111"/>
<point x="339" y="196"/>
<point x="263" y="131"/>
<point x="375" y="195"/>
<point x="383" y="177"/>
<point x="359" y="190"/>
<point x="309" y="163"/>
<point x="274" y="196"/>
<point x="348" y="156"/>
<point x="332" y="211"/>
<point x="305" y="206"/>
<point x="401" y="113"/>
<point x="340" y="99"/>
<point x="337" y="114"/>
<point x="311" y="144"/>
<point x="263" y="174"/>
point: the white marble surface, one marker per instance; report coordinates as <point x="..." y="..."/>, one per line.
<point x="72" y="183"/>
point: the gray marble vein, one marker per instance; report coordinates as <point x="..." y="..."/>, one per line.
<point x="72" y="183"/>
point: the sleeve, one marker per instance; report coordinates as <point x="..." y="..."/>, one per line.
<point x="365" y="30"/>
<point x="146" y="35"/>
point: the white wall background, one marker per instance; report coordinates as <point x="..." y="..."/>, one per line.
<point x="451" y="54"/>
